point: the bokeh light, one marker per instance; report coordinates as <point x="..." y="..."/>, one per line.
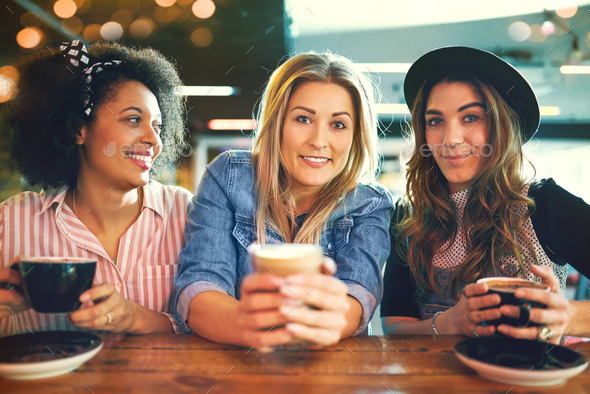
<point x="202" y="37"/>
<point x="123" y="18"/>
<point x="129" y="5"/>
<point x="519" y="31"/>
<point x="8" y="83"/>
<point x="165" y="3"/>
<point x="548" y="28"/>
<point x="92" y="32"/>
<point x="30" y="19"/>
<point x="83" y="6"/>
<point x="566" y="8"/>
<point x="30" y="37"/>
<point x="165" y="15"/>
<point x="537" y="34"/>
<point x="203" y="8"/>
<point x="142" y="28"/>
<point x="65" y="8"/>
<point x="111" y="31"/>
<point x="73" y="25"/>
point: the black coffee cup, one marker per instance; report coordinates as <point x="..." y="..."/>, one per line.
<point x="54" y="284"/>
<point x="505" y="288"/>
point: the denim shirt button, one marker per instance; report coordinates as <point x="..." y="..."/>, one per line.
<point x="330" y="245"/>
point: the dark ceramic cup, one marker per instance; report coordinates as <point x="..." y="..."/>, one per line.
<point x="54" y="284"/>
<point x="505" y="288"/>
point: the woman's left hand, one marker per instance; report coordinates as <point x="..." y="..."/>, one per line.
<point x="107" y="302"/>
<point x="322" y="326"/>
<point x="556" y="316"/>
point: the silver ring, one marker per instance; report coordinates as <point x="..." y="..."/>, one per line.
<point x="467" y="317"/>
<point x="108" y="315"/>
<point x="474" y="333"/>
<point x="545" y="333"/>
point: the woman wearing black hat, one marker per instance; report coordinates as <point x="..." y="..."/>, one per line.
<point x="469" y="213"/>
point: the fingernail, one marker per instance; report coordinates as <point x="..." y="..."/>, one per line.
<point x="294" y="328"/>
<point x="296" y="279"/>
<point x="502" y="329"/>
<point x="286" y="309"/>
<point x="520" y="293"/>
<point x="290" y="290"/>
<point x="84" y="297"/>
<point x="289" y="301"/>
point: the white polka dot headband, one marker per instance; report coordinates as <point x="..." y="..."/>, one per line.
<point x="75" y="51"/>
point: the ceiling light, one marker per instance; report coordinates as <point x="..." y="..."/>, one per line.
<point x="208" y="91"/>
<point x="231" y="124"/>
<point x="550" y="111"/>
<point x="574" y="69"/>
<point x="389" y="109"/>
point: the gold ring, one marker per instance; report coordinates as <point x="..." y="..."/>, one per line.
<point x="108" y="315"/>
<point x="545" y="333"/>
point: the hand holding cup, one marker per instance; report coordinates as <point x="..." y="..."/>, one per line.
<point x="310" y="306"/>
<point x="553" y="317"/>
<point x="12" y="297"/>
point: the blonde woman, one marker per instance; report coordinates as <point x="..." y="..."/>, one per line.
<point x="469" y="212"/>
<point x="310" y="178"/>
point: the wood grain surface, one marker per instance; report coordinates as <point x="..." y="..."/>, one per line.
<point x="190" y="364"/>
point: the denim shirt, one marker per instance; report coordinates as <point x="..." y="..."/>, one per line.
<point x="221" y="226"/>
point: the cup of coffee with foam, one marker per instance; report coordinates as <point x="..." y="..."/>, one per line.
<point x="287" y="259"/>
<point x="54" y="284"/>
<point x="505" y="288"/>
<point x="284" y="260"/>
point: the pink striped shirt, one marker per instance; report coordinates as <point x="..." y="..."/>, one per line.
<point x="34" y="224"/>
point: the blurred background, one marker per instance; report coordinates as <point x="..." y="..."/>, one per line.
<point x="227" y="49"/>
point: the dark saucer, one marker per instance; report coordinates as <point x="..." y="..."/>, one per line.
<point x="520" y="353"/>
<point x="45" y="353"/>
<point x="519" y="361"/>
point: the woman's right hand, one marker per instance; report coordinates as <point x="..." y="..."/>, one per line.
<point x="12" y="301"/>
<point x="466" y="316"/>
<point x="258" y="312"/>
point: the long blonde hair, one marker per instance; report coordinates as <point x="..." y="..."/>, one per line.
<point x="275" y="202"/>
<point x="491" y="225"/>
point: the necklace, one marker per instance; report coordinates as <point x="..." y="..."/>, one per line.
<point x="74" y="201"/>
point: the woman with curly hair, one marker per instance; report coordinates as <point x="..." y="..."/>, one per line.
<point x="88" y="127"/>
<point x="470" y="214"/>
<point x="310" y="178"/>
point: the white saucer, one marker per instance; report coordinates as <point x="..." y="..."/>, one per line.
<point x="13" y="347"/>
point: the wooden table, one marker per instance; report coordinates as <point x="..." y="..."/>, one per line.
<point x="187" y="363"/>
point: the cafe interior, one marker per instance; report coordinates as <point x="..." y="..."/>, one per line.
<point x="227" y="49"/>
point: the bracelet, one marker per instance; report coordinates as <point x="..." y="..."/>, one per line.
<point x="435" y="331"/>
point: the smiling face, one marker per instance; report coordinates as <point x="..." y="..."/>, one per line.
<point x="120" y="146"/>
<point x="317" y="133"/>
<point x="457" y="132"/>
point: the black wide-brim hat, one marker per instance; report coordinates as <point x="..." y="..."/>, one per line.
<point x="507" y="80"/>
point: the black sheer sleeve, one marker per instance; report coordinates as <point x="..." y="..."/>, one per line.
<point x="399" y="287"/>
<point x="562" y="224"/>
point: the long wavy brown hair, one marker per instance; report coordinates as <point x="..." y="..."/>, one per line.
<point x="491" y="226"/>
<point x="275" y="202"/>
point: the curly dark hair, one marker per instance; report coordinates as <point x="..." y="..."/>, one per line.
<point x="38" y="128"/>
